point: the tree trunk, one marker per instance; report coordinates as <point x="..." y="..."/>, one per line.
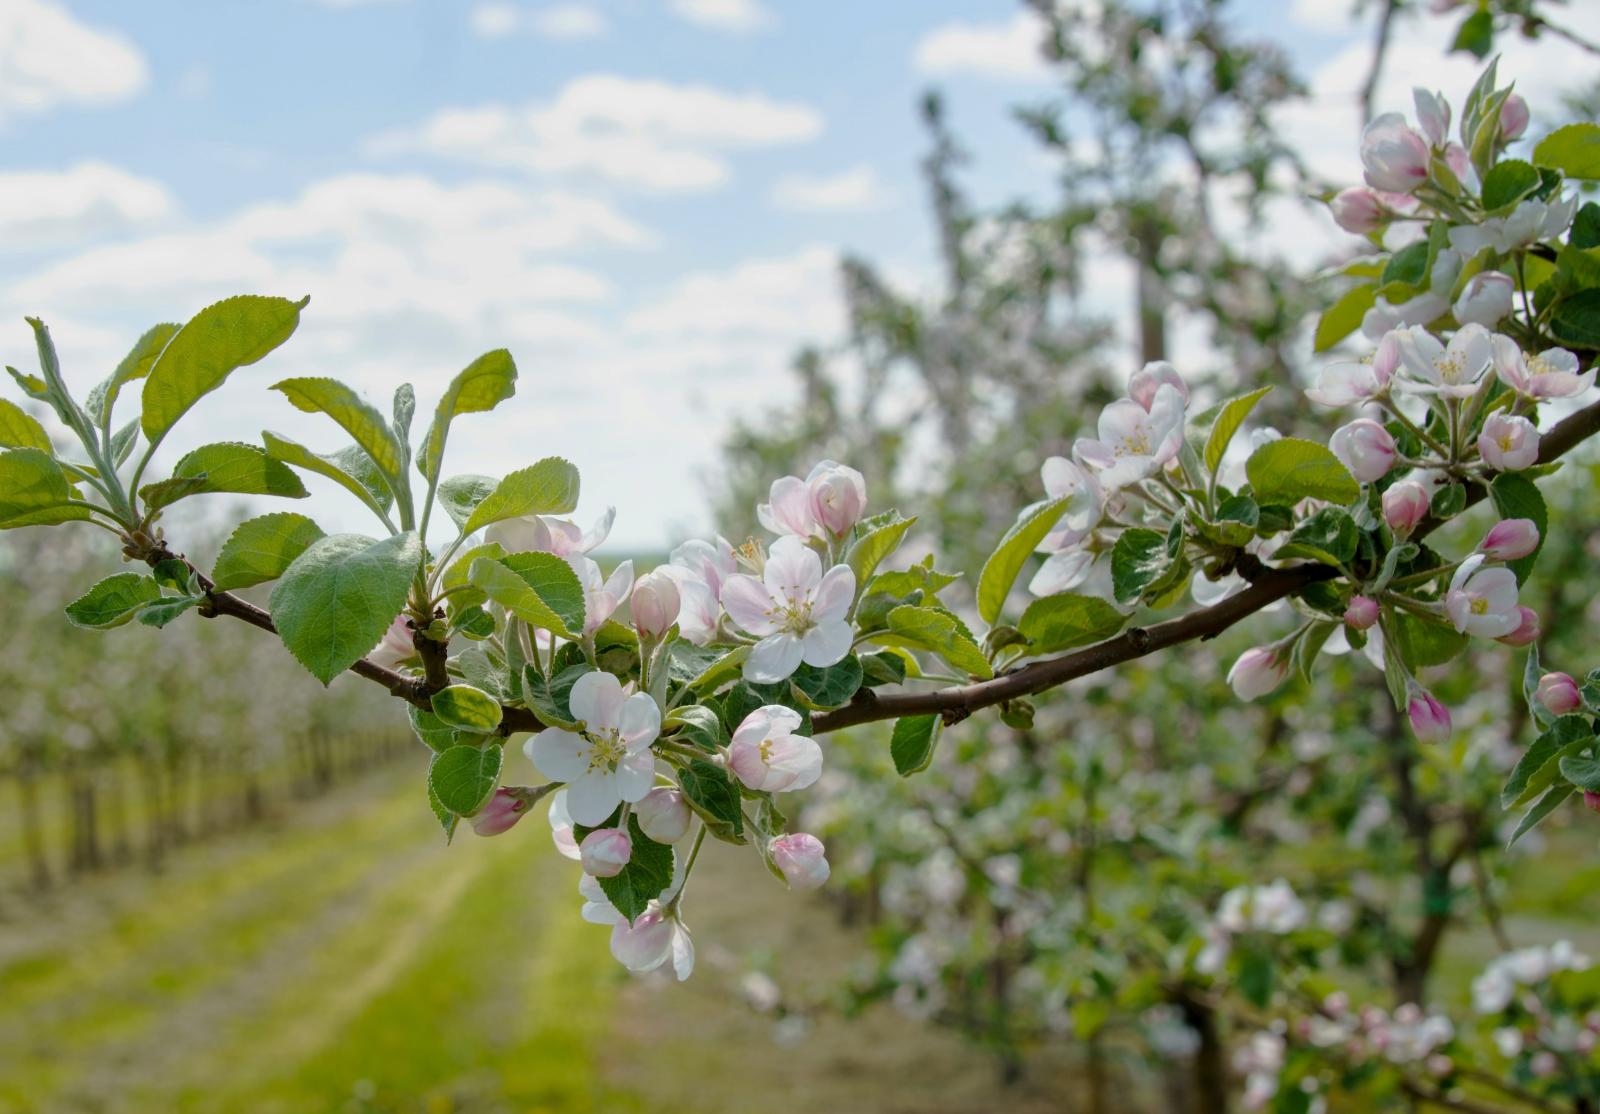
<point x="32" y="828"/>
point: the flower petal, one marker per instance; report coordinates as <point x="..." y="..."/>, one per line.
<point x="636" y="776"/>
<point x="826" y="643"/>
<point x="559" y="755"/>
<point x="597" y="700"/>
<point x="793" y="568"/>
<point x="749" y="604"/>
<point x="592" y="797"/>
<point x="639" y="722"/>
<point x="775" y="658"/>
<point x="834" y="594"/>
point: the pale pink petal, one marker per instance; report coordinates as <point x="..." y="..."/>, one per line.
<point x="826" y="644"/>
<point x="793" y="568"/>
<point x="597" y="700"/>
<point x="773" y="659"/>
<point x="559" y="755"/>
<point x="635" y="776"/>
<point x="789" y="511"/>
<point x="592" y="797"/>
<point x="639" y="722"/>
<point x="749" y="604"/>
<point x="834" y="594"/>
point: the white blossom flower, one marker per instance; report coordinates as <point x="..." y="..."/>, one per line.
<point x="796" y="611"/>
<point x="601" y="597"/>
<point x="1067" y="563"/>
<point x="767" y="754"/>
<point x="1134" y="442"/>
<point x="827" y="503"/>
<point x="1508" y="443"/>
<point x="1394" y="156"/>
<point x="1483" y="601"/>
<point x="1356" y="381"/>
<point x="1553" y="373"/>
<point x="699" y="568"/>
<point x="537" y="533"/>
<point x="1452" y="370"/>
<point x="608" y="759"/>
<point x="561" y="832"/>
<point x="1530" y="221"/>
<point x="395" y="646"/>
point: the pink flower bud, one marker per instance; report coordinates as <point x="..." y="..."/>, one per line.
<point x="1592" y="799"/>
<point x="801" y="859"/>
<point x="1513" y="117"/>
<point x="1365" y="448"/>
<point x="1405" y="505"/>
<point x="1362" y="612"/>
<point x="1394" y="156"/>
<point x="1258" y="671"/>
<point x="1510" y="539"/>
<point x="655" y="604"/>
<point x="1455" y="157"/>
<point x="1144" y="383"/>
<point x="501" y="814"/>
<point x="1527" y="629"/>
<point x="663" y="815"/>
<point x="1485" y="300"/>
<point x="645" y="944"/>
<point x="1358" y="210"/>
<point x="1433" y="113"/>
<point x="605" y="851"/>
<point x="838" y="497"/>
<point x="1507" y="443"/>
<point x="1430" y="720"/>
<point x="1558" y="692"/>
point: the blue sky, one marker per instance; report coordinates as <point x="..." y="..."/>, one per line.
<point x="643" y="199"/>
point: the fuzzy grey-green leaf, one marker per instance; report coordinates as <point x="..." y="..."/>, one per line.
<point x="260" y="549"/>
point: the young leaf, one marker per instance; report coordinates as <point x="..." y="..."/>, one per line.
<point x="1065" y="620"/>
<point x="336" y="600"/>
<point x="539" y="588"/>
<point x="870" y="550"/>
<point x="225" y="467"/>
<point x="135" y="365"/>
<point x="354" y="415"/>
<point x="1001" y="569"/>
<point x="1344" y="316"/>
<point x="484" y="384"/>
<point x="911" y="745"/>
<point x="260" y="549"/>
<point x="548" y="487"/>
<point x="460" y="496"/>
<point x="1289" y="470"/>
<point x="113" y="601"/>
<point x="162" y="611"/>
<point x="1574" y="150"/>
<point x="467" y="708"/>
<point x="1232" y="416"/>
<point x="712" y="794"/>
<point x="33" y="490"/>
<point x="462" y="777"/>
<point x="1543" y="807"/>
<point x="1138" y="558"/>
<point x="943" y="634"/>
<point x="218" y="340"/>
<point x="21" y="430"/>
<point x="831" y="686"/>
<point x="336" y="467"/>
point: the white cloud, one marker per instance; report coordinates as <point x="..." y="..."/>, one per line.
<point x="43" y="208"/>
<point x="858" y="189"/>
<point x="1007" y="51"/>
<point x="638" y="132"/>
<point x="496" y="20"/>
<point x="787" y="298"/>
<point x="1328" y="17"/>
<point x="48" y="59"/>
<point x="741" y="16"/>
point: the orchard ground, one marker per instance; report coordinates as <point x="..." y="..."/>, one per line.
<point x="342" y="958"/>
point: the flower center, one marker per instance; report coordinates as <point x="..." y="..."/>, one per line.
<point x="766" y="751"/>
<point x="606" y="750"/>
<point x="1538" y="365"/>
<point x="1450" y="368"/>
<point x="1136" y="443"/>
<point x="1480" y="606"/>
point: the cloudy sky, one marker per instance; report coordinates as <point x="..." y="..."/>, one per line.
<point x="643" y="199"/>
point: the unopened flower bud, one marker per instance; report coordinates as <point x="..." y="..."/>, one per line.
<point x="655" y="604"/>
<point x="1430" y="720"/>
<point x="1558" y="692"/>
<point x="1405" y="505"/>
<point x="1510" y="539"/>
<point x="1258" y="671"/>
<point x="1393" y="155"/>
<point x="1358" y="210"/>
<point x="1362" y="612"/>
<point x="1513" y="117"/>
<point x="1527" y="630"/>
<point x="663" y="815"/>
<point x="838" y="496"/>
<point x="1485" y="300"/>
<point x="501" y="814"/>
<point x="802" y="860"/>
<point x="1591" y="799"/>
<point x="1366" y="448"/>
<point x="1507" y="443"/>
<point x="605" y="851"/>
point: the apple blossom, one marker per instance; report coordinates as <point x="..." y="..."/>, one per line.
<point x="1430" y="720"/>
<point x="1362" y="612"/>
<point x="663" y="814"/>
<point x="1485" y="300"/>
<point x="1433" y="113"/>
<point x="1144" y="383"/>
<point x="601" y="597"/>
<point x="1558" y="692"/>
<point x="1394" y="156"/>
<point x="766" y="754"/>
<point x="561" y="832"/>
<point x="653" y="937"/>
<point x="536" y="533"/>
<point x="1067" y="564"/>
<point x="802" y="860"/>
<point x="1508" y="443"/>
<point x="395" y="646"/>
<point x="655" y="604"/>
<point x="500" y="815"/>
<point x="1258" y="671"/>
<point x="698" y="568"/>
<point x="1553" y="373"/>
<point x="1527" y="631"/>
<point x="838" y="497"/>
<point x="1452" y="370"/>
<point x="1364" y="447"/>
<point x="1352" y="381"/>
<point x="1405" y="505"/>
<point x="608" y="759"/>
<point x="1384" y="317"/>
<point x="1483" y="601"/>
<point x="1513" y="117"/>
<point x="605" y="852"/>
<point x="1531" y="220"/>
<point x="796" y="611"/>
<point x="1358" y="210"/>
<point x="1510" y="539"/>
<point x="1134" y="442"/>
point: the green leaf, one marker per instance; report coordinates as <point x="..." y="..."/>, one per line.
<point x="217" y="341"/>
<point x="1001" y="569"/>
<point x="1574" y="150"/>
<point x="919" y="577"/>
<point x="1409" y="265"/>
<point x="1515" y="496"/>
<point x="1541" y="808"/>
<point x="1289" y="470"/>
<point x="1475" y="36"/>
<point x="1508" y="182"/>
<point x="113" y="601"/>
<point x="135" y="365"/>
<point x="344" y="468"/>
<point x="548" y="487"/>
<point x="460" y="496"/>
<point x="871" y="548"/>
<point x="1329" y="536"/>
<point x="1344" y="316"/>
<point x="1065" y="620"/>
<point x="447" y="819"/>
<point x="697" y="724"/>
<point x="467" y="708"/>
<point x="911" y="745"/>
<point x="943" y="634"/>
<point x="355" y="416"/>
<point x="539" y="588"/>
<point x="163" y="611"/>
<point x="648" y="873"/>
<point x="1422" y="642"/>
<point x="831" y="686"/>
<point x="1137" y="560"/>
<point x="32" y="485"/>
<point x="712" y="794"/>
<point x="463" y="777"/>
<point x="885" y="667"/>
<point x="1575" y="321"/>
<point x="435" y="734"/>
<point x="336" y="600"/>
<point x="262" y="548"/>
<point x="21" y="430"/>
<point x="224" y="467"/>
<point x="484" y="384"/>
<point x="1583" y="771"/>
<point x="1536" y="770"/>
<point x="1231" y="417"/>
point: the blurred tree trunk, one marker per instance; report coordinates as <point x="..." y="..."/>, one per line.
<point x="32" y="828"/>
